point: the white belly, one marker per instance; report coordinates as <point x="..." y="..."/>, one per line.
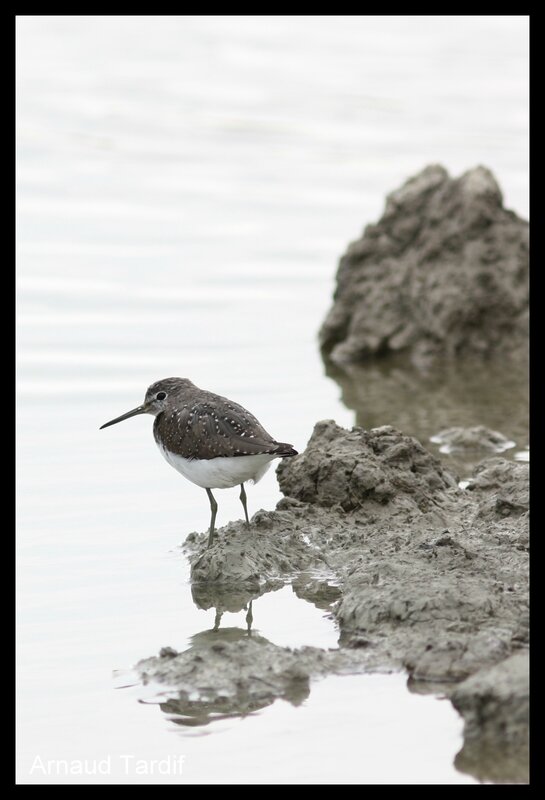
<point x="222" y="472"/>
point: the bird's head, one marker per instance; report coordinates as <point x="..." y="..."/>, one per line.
<point x="158" y="396"/>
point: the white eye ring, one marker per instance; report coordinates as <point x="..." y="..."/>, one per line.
<point x="160" y="395"/>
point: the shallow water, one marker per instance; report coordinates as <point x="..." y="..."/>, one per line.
<point x="456" y="395"/>
<point x="185" y="188"/>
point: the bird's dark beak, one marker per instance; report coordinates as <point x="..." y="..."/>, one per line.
<point x="140" y="410"/>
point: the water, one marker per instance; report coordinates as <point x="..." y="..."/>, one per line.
<point x="185" y="188"/>
<point x="462" y="395"/>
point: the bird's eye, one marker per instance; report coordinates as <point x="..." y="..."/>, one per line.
<point x="160" y="395"/>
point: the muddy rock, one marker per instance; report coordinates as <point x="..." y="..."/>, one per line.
<point x="357" y="468"/>
<point x="501" y="488"/>
<point x="230" y="676"/>
<point x="218" y="677"/>
<point x="456" y="440"/>
<point x="453" y="656"/>
<point x="495" y="705"/>
<point x="418" y="573"/>
<point x="434" y="605"/>
<point x="251" y="558"/>
<point x="442" y="275"/>
<point x="427" y="580"/>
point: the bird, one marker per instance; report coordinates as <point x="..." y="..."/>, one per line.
<point x="213" y="442"/>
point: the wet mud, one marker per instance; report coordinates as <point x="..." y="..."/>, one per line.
<point x="443" y="275"/>
<point x="418" y="574"/>
<point x="235" y="675"/>
<point x="411" y="535"/>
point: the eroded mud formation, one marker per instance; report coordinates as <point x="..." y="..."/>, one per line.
<point x="418" y="573"/>
<point x="420" y="570"/>
<point x="442" y="275"/>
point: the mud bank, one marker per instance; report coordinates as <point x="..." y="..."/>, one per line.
<point x="495" y="706"/>
<point x="471" y="440"/>
<point x="218" y="678"/>
<point x="442" y="275"/>
<point x="418" y="573"/>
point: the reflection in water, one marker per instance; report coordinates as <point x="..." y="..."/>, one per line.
<point x="234" y="672"/>
<point x="422" y="404"/>
<point x="494" y="759"/>
<point x="488" y="756"/>
<point x="229" y="672"/>
<point x="222" y="598"/>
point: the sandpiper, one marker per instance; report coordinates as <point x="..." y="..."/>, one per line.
<point x="214" y="442"/>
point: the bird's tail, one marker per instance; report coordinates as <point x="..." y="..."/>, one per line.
<point x="285" y="450"/>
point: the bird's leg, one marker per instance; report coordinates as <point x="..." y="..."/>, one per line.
<point x="243" y="501"/>
<point x="217" y="620"/>
<point x="249" y="618"/>
<point x="214" y="509"/>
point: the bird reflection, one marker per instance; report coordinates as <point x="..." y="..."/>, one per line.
<point x="226" y="672"/>
<point x="222" y="599"/>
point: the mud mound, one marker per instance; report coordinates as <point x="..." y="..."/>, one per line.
<point x="501" y="487"/>
<point x="418" y="573"/>
<point x="249" y="558"/>
<point x="460" y="440"/>
<point x="357" y="467"/>
<point x="237" y="677"/>
<point x="444" y="273"/>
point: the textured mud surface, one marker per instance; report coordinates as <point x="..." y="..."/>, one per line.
<point x="418" y="573"/>
<point x="443" y="274"/>
<point x="227" y="678"/>
<point x="471" y="440"/>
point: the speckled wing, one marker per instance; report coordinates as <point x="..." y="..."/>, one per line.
<point x="205" y="430"/>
